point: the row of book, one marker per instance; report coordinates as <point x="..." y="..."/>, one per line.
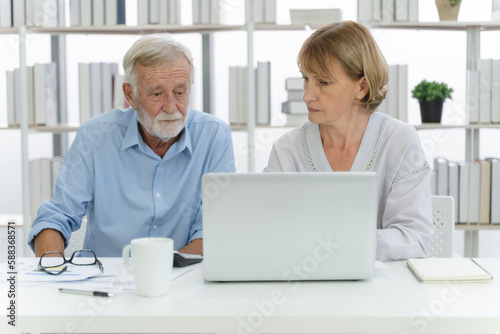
<point x="474" y="185"/>
<point x="238" y="95"/>
<point x="100" y="89"/>
<point x="483" y="93"/>
<point x="259" y="11"/>
<point x="294" y="108"/>
<point x="43" y="176"/>
<point x="388" y="10"/>
<point x="42" y="97"/>
<point x="395" y="103"/>
<point x="31" y="13"/>
<point x="84" y="13"/>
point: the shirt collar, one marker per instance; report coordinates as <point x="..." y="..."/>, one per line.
<point x="133" y="137"/>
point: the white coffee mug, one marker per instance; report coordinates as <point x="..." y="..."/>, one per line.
<point x="151" y="264"/>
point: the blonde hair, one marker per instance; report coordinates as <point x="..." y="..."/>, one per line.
<point x="355" y="48"/>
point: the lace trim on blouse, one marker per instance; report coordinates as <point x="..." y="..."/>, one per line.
<point x="422" y="169"/>
<point x="307" y="149"/>
<point x="378" y="142"/>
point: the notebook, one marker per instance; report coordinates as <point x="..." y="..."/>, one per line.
<point x="289" y="226"/>
<point x="448" y="269"/>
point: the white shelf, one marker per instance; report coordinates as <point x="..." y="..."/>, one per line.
<point x="476" y="227"/>
<point x="43" y="128"/>
<point x="443" y="25"/>
<point x="150" y="29"/>
<point x="431" y="126"/>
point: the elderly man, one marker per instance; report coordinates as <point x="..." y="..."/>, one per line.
<point x="137" y="172"/>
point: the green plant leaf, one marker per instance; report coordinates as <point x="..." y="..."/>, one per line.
<point x="430" y="91"/>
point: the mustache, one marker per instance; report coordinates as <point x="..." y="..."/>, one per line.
<point x="169" y="117"/>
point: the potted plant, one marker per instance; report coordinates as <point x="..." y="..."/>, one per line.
<point x="448" y="9"/>
<point x="431" y="96"/>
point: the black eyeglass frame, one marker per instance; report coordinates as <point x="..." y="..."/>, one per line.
<point x="44" y="269"/>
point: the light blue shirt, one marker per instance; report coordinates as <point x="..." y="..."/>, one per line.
<point x="126" y="190"/>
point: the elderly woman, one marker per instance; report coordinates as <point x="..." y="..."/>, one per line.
<point x="345" y="75"/>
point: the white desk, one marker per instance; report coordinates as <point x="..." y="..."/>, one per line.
<point x="392" y="302"/>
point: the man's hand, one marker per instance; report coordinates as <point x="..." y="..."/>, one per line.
<point x="49" y="240"/>
<point x="195" y="247"/>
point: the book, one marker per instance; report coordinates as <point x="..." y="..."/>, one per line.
<point x="294" y="84"/>
<point x="5" y="13"/>
<point x="495" y="91"/>
<point x="295" y="94"/>
<point x="40" y="95"/>
<point x="18" y="13"/>
<point x="448" y="269"/>
<point x="270" y="11"/>
<point x="196" y="11"/>
<point x="45" y="13"/>
<point x="121" y="12"/>
<point x="315" y="18"/>
<point x="95" y="89"/>
<point x="387" y="10"/>
<point x="31" y="96"/>
<point x="238" y="95"/>
<point x="495" y="10"/>
<point x="495" y="190"/>
<point x="163" y="12"/>
<point x="142" y="12"/>
<point x="442" y="176"/>
<point x="86" y="13"/>
<point x="154" y="12"/>
<point x="485" y="92"/>
<point x="365" y="11"/>
<point x="392" y="93"/>
<point x="11" y="98"/>
<point x="294" y="108"/>
<point x="402" y="103"/>
<point x="74" y="13"/>
<point x="453" y="184"/>
<point x="485" y="192"/>
<point x="474" y="191"/>
<point x="174" y="12"/>
<point x="463" y="192"/>
<point x="263" y="90"/>
<point x="111" y="11"/>
<point x="472" y="97"/>
<point x="51" y="94"/>
<point x="84" y="91"/>
<point x="254" y="11"/>
<point x="401" y="10"/>
<point x="216" y="12"/>
<point x="413" y="10"/>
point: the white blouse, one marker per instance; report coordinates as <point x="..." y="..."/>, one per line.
<point x="390" y="148"/>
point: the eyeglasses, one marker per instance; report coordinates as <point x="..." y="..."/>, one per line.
<point x="52" y="264"/>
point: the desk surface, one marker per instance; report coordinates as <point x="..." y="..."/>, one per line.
<point x="392" y="302"/>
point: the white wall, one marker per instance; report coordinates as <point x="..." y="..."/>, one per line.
<point x="433" y="55"/>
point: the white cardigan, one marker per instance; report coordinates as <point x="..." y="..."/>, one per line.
<point x="390" y="148"/>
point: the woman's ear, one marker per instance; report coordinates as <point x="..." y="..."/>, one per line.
<point x="363" y="87"/>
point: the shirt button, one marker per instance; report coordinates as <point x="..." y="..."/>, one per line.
<point x="157" y="194"/>
<point x="154" y="227"/>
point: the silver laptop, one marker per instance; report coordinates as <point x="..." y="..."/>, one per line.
<point x="289" y="226"/>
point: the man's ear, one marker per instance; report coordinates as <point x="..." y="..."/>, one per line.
<point x="128" y="91"/>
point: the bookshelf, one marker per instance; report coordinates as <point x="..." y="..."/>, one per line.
<point x="472" y="131"/>
<point x="58" y="55"/>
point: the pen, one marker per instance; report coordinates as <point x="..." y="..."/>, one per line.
<point x="87" y="292"/>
